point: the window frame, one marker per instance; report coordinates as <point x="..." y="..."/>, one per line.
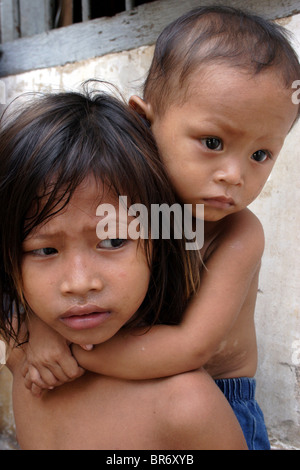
<point x="124" y="31"/>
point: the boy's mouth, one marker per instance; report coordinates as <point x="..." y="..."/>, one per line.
<point x="220" y="202"/>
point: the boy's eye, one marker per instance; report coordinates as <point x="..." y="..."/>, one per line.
<point x="112" y="243"/>
<point x="212" y="143"/>
<point x="44" y="251"/>
<point x="260" y="156"/>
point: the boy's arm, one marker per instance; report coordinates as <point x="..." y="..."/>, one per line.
<point x="168" y="350"/>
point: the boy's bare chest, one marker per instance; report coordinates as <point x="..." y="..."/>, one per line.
<point x="236" y="355"/>
<point x="232" y="359"/>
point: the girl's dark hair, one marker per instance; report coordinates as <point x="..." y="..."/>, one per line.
<point x="216" y="35"/>
<point x="47" y="151"/>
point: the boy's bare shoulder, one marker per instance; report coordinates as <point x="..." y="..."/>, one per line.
<point x="242" y="233"/>
<point x="243" y="222"/>
<point x="246" y="216"/>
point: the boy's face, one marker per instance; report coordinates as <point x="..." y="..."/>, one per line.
<point x="83" y="287"/>
<point x="220" y="146"/>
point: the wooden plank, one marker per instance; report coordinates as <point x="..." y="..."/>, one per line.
<point x="66" y="15"/>
<point x="9" y="20"/>
<point x="34" y="17"/>
<point x="129" y="4"/>
<point x="127" y="30"/>
<point x="86" y="10"/>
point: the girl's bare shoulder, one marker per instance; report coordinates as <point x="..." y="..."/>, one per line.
<point x="194" y="414"/>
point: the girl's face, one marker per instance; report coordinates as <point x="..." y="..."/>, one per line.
<point x="83" y="287"/>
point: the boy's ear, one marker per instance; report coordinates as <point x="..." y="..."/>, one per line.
<point x="141" y="107"/>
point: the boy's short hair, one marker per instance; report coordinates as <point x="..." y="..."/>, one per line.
<point x="216" y="35"/>
<point x="47" y="151"/>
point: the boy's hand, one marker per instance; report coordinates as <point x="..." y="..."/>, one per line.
<point x="48" y="359"/>
<point x="50" y="368"/>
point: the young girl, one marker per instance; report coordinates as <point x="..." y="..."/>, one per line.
<point x="65" y="162"/>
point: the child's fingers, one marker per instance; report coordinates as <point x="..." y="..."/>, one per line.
<point x="24" y="368"/>
<point x="33" y="377"/>
<point x="36" y="391"/>
<point x="51" y="377"/>
<point x="48" y="377"/>
<point x="61" y="374"/>
<point x="70" y="368"/>
<point x="87" y="347"/>
<point x="55" y="374"/>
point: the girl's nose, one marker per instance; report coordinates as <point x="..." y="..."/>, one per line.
<point x="80" y="277"/>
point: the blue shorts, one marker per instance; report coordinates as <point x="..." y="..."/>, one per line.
<point x="240" y="393"/>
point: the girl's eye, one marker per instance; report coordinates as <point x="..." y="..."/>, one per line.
<point x="112" y="243"/>
<point x="212" y="143"/>
<point x="260" y="156"/>
<point x="45" y="251"/>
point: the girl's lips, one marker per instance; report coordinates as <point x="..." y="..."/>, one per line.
<point x="84" y="317"/>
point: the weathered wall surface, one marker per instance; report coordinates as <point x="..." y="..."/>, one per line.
<point x="7" y="431"/>
<point x="277" y="315"/>
<point x="126" y="70"/>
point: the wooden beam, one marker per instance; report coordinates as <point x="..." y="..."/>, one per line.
<point x="127" y="30"/>
<point x="9" y="20"/>
<point x="86" y="10"/>
<point x="129" y="4"/>
<point x="66" y="14"/>
<point x="35" y="17"/>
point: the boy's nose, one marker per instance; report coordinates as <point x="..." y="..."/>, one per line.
<point x="80" y="277"/>
<point x="230" y="173"/>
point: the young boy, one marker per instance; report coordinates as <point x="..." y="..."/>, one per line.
<point x="218" y="98"/>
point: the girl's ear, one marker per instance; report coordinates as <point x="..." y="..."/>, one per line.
<point x="141" y="107"/>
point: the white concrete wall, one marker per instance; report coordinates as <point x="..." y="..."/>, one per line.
<point x="277" y="312"/>
<point x="126" y="70"/>
<point x="277" y="315"/>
